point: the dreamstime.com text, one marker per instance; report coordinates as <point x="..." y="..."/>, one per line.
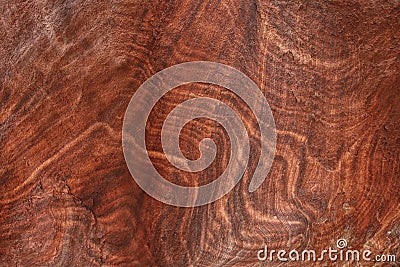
<point x="340" y="253"/>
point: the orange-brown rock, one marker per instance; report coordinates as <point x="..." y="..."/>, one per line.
<point x="329" y="70"/>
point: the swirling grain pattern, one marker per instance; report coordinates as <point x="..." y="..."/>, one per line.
<point x="329" y="70"/>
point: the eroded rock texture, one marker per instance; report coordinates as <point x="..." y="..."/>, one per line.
<point x="329" y="70"/>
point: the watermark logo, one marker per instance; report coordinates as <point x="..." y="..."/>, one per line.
<point x="340" y="253"/>
<point x="341" y="243"/>
<point x="150" y="92"/>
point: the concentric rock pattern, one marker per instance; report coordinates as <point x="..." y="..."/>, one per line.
<point x="329" y="70"/>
